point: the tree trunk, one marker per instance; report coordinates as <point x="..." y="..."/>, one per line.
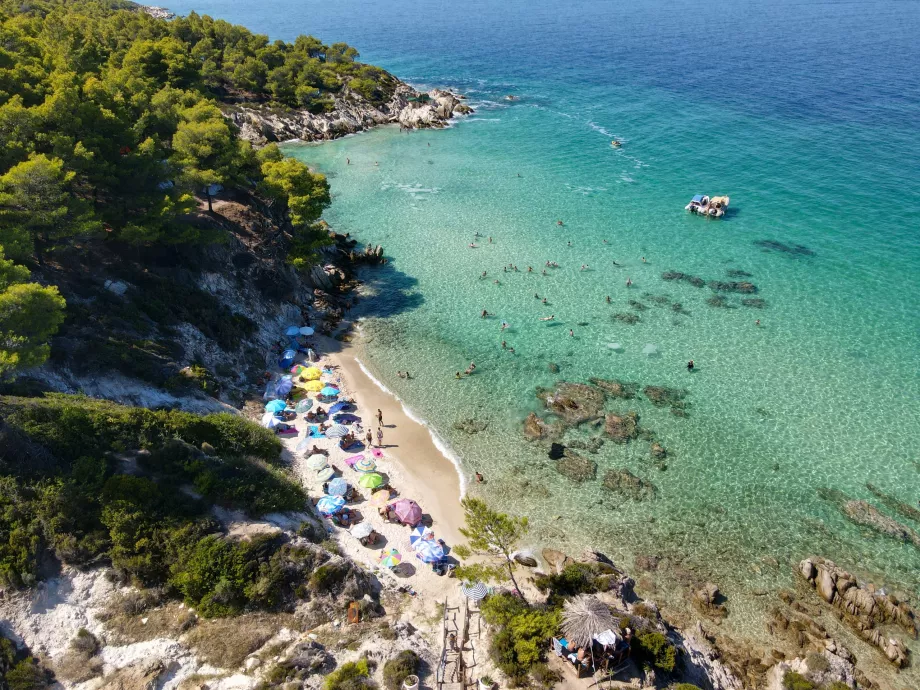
<point x="511" y="575"/>
<point x="207" y="191"/>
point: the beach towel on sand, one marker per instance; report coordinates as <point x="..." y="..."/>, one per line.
<point x="315" y="432"/>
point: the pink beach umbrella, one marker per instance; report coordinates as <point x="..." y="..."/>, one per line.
<point x="408" y="512"/>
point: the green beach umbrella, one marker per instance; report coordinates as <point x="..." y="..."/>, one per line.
<point x="371" y="480"/>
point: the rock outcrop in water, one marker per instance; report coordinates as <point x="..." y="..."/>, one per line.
<point x="575" y="467"/>
<point x="625" y="483"/>
<point x="622" y="428"/>
<point x="538" y="430"/>
<point x="863" y="607"/>
<point x="615" y="388"/>
<point x="351" y="113"/>
<point x="661" y="396"/>
<point x="893" y="503"/>
<point x="573" y="403"/>
<point x="866" y="514"/>
<point x="732" y="286"/>
<point x="695" y="281"/>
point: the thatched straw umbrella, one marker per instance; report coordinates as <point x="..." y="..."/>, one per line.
<point x="584" y="617"/>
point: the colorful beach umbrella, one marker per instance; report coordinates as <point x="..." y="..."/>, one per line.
<point x="306" y="330"/>
<point x="362" y="530"/>
<point x="329" y="392"/>
<point x="310" y="374"/>
<point x="365" y="465"/>
<point x="275" y="406"/>
<point x="371" y="480"/>
<point x="390" y="558"/>
<point x="419" y="533"/>
<point x="408" y="512"/>
<point x="339" y="406"/>
<point x="292" y="330"/>
<point x="330" y="505"/>
<point x="270" y="421"/>
<point x="336" y="431"/>
<point x="380" y="498"/>
<point x="317" y="462"/>
<point x="312" y="386"/>
<point x="429" y="551"/>
<point x="475" y="591"/>
<point x="337" y="487"/>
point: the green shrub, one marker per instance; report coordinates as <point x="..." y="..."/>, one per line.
<point x="575" y="579"/>
<point x="837" y="685"/>
<point x="654" y="650"/>
<point x="327" y="577"/>
<point x="796" y="681"/>
<point x="353" y="675"/>
<point x="28" y="675"/>
<point x="684" y="686"/>
<point x="523" y="634"/>
<point x="397" y="669"/>
<point x="85" y="643"/>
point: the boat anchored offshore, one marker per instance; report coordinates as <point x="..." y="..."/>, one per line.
<point x="714" y="207"/>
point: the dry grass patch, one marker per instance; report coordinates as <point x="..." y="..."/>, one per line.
<point x="226" y="642"/>
<point x="166" y="621"/>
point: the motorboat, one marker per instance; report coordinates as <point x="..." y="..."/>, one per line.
<point x="704" y="205"/>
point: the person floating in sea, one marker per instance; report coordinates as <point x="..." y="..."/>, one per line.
<point x="530" y="269"/>
<point x="490" y="239"/>
<point x="543" y="300"/>
<point x="757" y="322"/>
<point x="605" y="241"/>
<point x="458" y="376"/>
<point x="544" y="271"/>
<point x="473" y="245"/>
<point x="584" y="267"/>
<point x="511" y="350"/>
<point x="629" y="282"/>
<point x="571" y="333"/>
<point x="376" y="163"/>
<point x="559" y="222"/>
<point x="497" y="282"/>
<point x="690" y="365"/>
<point x="643" y="260"/>
<point x="504" y="269"/>
<point x="617" y="265"/>
<point x="570" y="243"/>
<point x="548" y="318"/>
<point x="477" y="234"/>
<point x="484" y="314"/>
<point x="504" y="325"/>
<point x="483" y="274"/>
<point x="504" y="345"/>
<point x="479" y="478"/>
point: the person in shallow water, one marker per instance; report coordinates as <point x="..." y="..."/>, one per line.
<point x="571" y="333"/>
<point x="690" y="365"/>
<point x="479" y="478"/>
<point x="548" y="318"/>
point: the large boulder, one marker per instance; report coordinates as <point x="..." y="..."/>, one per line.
<point x="615" y="388"/>
<point x="573" y="403"/>
<point x="625" y="483"/>
<point x="575" y="467"/>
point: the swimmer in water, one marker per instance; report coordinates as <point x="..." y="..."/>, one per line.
<point x="348" y="161"/>
<point x="571" y="333"/>
<point x="548" y="318"/>
<point x="605" y="241"/>
<point x="559" y="222"/>
<point x="757" y="322"/>
<point x="376" y="163"/>
<point x="479" y="478"/>
<point x="504" y="345"/>
<point x="504" y="325"/>
<point x="544" y="300"/>
<point x="608" y="299"/>
<point x="530" y="269"/>
<point x="584" y="267"/>
<point x="617" y="265"/>
<point x="496" y="282"/>
<point x="490" y="239"/>
<point x="536" y="296"/>
<point x="628" y="282"/>
<point x="484" y="314"/>
<point x="544" y="271"/>
<point x="643" y="260"/>
<point x="483" y="274"/>
<point x="690" y="365"/>
<point x="473" y="245"/>
<point x="511" y="350"/>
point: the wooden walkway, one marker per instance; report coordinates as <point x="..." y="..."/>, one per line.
<point x="461" y="634"/>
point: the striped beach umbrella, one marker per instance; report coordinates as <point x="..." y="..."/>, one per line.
<point x="325" y="473"/>
<point x="336" y="431"/>
<point x="475" y="591"/>
<point x="365" y="465"/>
<point x="390" y="558"/>
<point x="420" y="532"/>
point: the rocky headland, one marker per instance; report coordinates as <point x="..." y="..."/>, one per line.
<point x="351" y="113"/>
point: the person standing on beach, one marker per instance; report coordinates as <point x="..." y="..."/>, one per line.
<point x="379" y="437"/>
<point x="380" y="417"/>
<point x="370" y="438"/>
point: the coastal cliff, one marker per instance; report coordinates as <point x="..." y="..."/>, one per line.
<point x="350" y="113"/>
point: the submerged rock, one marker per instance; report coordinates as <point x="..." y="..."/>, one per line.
<point x="793" y="249"/>
<point x="893" y="503"/>
<point x="720" y="302"/>
<point x="709" y="600"/>
<point x="591" y="445"/>
<point x="536" y="429"/>
<point x="622" y="428"/>
<point x="615" y="388"/>
<point x="638" y="306"/>
<point x="736" y="273"/>
<point x="658" y="451"/>
<point x="661" y="396"/>
<point x="625" y="483"/>
<point x="627" y="318"/>
<point x="575" y="467"/>
<point x="866" y="514"/>
<point x="574" y="403"/>
<point x="754" y="302"/>
<point x="695" y="281"/>
<point x="471" y="426"/>
<point x="553" y="368"/>
<point x="723" y="286"/>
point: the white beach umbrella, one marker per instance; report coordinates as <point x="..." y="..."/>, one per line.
<point x="362" y="530"/>
<point x="270" y="421"/>
<point x="317" y="462"/>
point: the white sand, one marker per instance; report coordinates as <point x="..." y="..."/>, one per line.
<point x="412" y="463"/>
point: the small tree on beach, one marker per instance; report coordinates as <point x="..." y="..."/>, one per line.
<point x="490" y="533"/>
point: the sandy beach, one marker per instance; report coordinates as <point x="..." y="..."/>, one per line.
<point x="412" y="462"/>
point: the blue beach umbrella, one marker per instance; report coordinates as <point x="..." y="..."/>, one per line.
<point x="338" y="407"/>
<point x="306" y="330"/>
<point x="337" y="487"/>
<point x="330" y="505"/>
<point x="292" y="331"/>
<point x="429" y="551"/>
<point x="329" y="392"/>
<point x="284" y="386"/>
<point x="275" y="406"/>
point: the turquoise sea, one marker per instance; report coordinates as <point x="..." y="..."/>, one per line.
<point x="807" y="113"/>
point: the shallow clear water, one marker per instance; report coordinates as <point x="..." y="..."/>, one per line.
<point x="805" y="113"/>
